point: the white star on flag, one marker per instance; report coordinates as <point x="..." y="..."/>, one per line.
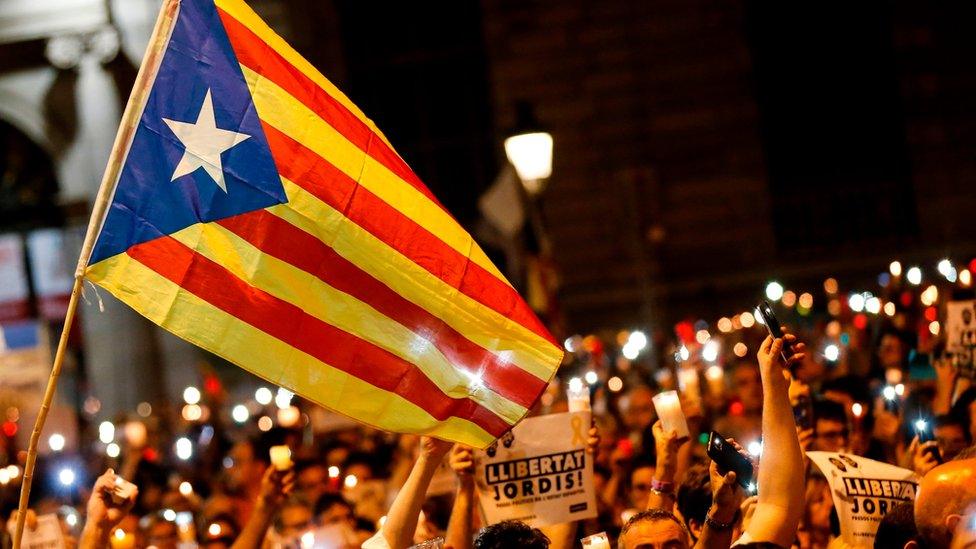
<point x="203" y="142"/>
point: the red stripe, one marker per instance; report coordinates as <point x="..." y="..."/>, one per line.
<point x="278" y="238"/>
<point x="342" y="350"/>
<point x="320" y="178"/>
<point x="258" y="56"/>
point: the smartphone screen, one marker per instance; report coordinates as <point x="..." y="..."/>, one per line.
<point x="775" y="329"/>
<point x="925" y="434"/>
<point x="729" y="459"/>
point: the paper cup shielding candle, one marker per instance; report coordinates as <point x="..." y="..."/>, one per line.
<point x="669" y="411"/>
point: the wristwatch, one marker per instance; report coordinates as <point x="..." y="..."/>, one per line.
<point x="719" y="526"/>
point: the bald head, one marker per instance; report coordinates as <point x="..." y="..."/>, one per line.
<point x="943" y="496"/>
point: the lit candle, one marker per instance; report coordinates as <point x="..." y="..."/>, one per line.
<point x="122" y="540"/>
<point x="578" y="395"/>
<point x="281" y="458"/>
<point x="669" y="411"/>
<point x="688" y="383"/>
<point x="715" y="376"/>
<point x="596" y="541"/>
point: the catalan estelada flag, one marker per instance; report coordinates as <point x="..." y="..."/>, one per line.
<point x="259" y="214"/>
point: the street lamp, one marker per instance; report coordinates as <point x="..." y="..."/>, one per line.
<point x="529" y="149"/>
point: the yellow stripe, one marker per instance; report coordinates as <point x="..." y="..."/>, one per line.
<point x="202" y="324"/>
<point x="508" y="339"/>
<point x="290" y="116"/>
<point x="293" y="285"/>
<point x="246" y="16"/>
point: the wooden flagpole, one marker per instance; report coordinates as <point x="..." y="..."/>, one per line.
<point x="123" y="139"/>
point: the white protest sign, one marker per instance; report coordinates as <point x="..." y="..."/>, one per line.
<point x="961" y="335"/>
<point x="540" y="473"/>
<point x="47" y="534"/>
<point x="863" y="491"/>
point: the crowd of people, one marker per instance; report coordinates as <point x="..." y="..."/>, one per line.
<point x="356" y="487"/>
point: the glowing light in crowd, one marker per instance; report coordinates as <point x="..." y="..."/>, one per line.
<point x="333" y="472"/>
<point x="531" y="154"/>
<point x="4" y="477"/>
<point x="889" y="392"/>
<point x="240" y="413"/>
<point x="191" y="395"/>
<point x="13" y="471"/>
<point x="630" y="353"/>
<point x="747" y="319"/>
<point x="169" y="515"/>
<point x="872" y="305"/>
<point x="752" y="487"/>
<point x="758" y="317"/>
<point x="701" y="336"/>
<point x="724" y="325"/>
<point x="934" y="327"/>
<point x="192" y="412"/>
<point x="893" y="376"/>
<point x="921" y="424"/>
<point x="774" y="291"/>
<point x="833" y="307"/>
<point x="806" y="300"/>
<point x="683" y="353"/>
<point x="575" y="385"/>
<point x="283" y="398"/>
<point x="289" y="416"/>
<point x="264" y="396"/>
<point x="830" y="286"/>
<point x="184" y="448"/>
<point x="66" y="476"/>
<point x="895" y="268"/>
<point x="965" y="277"/>
<point x="856" y="302"/>
<point x="889" y="308"/>
<point x="144" y="409"/>
<point x="857" y="409"/>
<point x="56" y="442"/>
<point x="106" y="432"/>
<point x="214" y="530"/>
<point x="900" y="389"/>
<point x="638" y="339"/>
<point x="591" y="377"/>
<point x="833" y="328"/>
<point x="186" y="488"/>
<point x="351" y="481"/>
<point x="113" y="450"/>
<point x="914" y="276"/>
<point x="569" y="345"/>
<point x="832" y="352"/>
<point x="740" y="349"/>
<point x="789" y="298"/>
<point x="119" y="534"/>
<point x="945" y="267"/>
<point x="71" y="519"/>
<point x="265" y="424"/>
<point x="307" y="540"/>
<point x="710" y="351"/>
<point x="615" y="384"/>
<point x="714" y="373"/>
<point x="754" y="448"/>
<point x="930" y="295"/>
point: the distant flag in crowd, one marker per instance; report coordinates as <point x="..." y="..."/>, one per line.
<point x="260" y="215"/>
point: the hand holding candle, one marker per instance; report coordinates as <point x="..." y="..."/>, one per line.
<point x="578" y="395"/>
<point x="281" y="458"/>
<point x="596" y="541"/>
<point x="668" y="409"/>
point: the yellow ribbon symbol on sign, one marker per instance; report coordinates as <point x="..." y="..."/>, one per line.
<point x="577" y="424"/>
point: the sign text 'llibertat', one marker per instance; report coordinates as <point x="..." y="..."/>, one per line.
<point x="540" y="475"/>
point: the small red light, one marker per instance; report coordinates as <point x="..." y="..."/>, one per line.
<point x="931" y="314"/>
<point x="9" y="428"/>
<point x="860" y="321"/>
<point x="737" y="409"/>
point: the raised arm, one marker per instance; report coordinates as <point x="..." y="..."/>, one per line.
<point x="104" y="514"/>
<point x="781" y="476"/>
<point x="276" y="486"/>
<point x="667" y="445"/>
<point x="727" y="496"/>
<point x="401" y="521"/>
<point x="460" y="527"/>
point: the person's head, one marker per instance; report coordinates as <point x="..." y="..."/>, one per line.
<point x="510" y="533"/>
<point x="747" y="385"/>
<point x="311" y="480"/>
<point x="952" y="435"/>
<point x="943" y="496"/>
<point x="830" y="429"/>
<point x="897" y="528"/>
<point x="334" y="509"/>
<point x="158" y="531"/>
<point x="638" y="408"/>
<point x="694" y="498"/>
<point x="246" y="465"/>
<point x="892" y="350"/>
<point x="641" y="476"/>
<point x="655" y="529"/>
<point x="292" y="519"/>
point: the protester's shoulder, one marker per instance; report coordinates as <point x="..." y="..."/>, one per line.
<point x="376" y="542"/>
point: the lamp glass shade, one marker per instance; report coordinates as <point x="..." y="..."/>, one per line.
<point x="531" y="154"/>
